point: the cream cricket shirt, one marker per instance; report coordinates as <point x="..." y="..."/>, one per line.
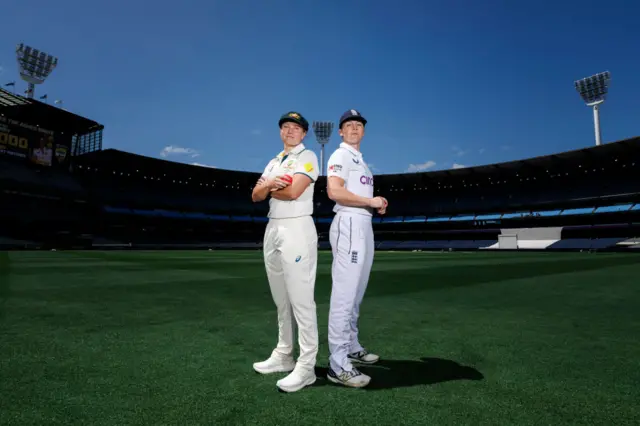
<point x="347" y="163"/>
<point x="299" y="161"/>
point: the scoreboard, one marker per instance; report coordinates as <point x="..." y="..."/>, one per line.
<point x="33" y="143"/>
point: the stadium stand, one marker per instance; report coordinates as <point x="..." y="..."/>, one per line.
<point x="86" y="197"/>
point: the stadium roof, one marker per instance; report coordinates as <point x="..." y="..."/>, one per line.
<point x="532" y="166"/>
<point x="8" y="99"/>
<point x="47" y="116"/>
<point x="120" y="159"/>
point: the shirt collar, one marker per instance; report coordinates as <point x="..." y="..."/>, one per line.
<point x="298" y="149"/>
<point x="351" y="149"/>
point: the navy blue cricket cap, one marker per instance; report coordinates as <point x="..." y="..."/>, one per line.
<point x="352" y="115"/>
<point x="294" y="117"/>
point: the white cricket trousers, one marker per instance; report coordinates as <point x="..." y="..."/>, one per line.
<point x="352" y="244"/>
<point x="291" y="258"/>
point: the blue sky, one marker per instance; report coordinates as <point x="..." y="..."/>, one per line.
<point x="442" y="83"/>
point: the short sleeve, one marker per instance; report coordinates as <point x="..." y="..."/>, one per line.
<point x="267" y="169"/>
<point x="337" y="166"/>
<point x="308" y="165"/>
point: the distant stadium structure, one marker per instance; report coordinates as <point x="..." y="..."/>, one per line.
<point x="61" y="190"/>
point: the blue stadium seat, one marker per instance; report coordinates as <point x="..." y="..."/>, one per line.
<point x="462" y="218"/>
<point x="121" y="210"/>
<point x="397" y="219"/>
<point x="585" y="243"/>
<point x="246" y="218"/>
<point x="438" y="219"/>
<point x="415" y="219"/>
<point x="547" y="213"/>
<point x="587" y="210"/>
<point x="488" y="216"/>
<point x="195" y="215"/>
<point x="601" y="243"/>
<point x="615" y="208"/>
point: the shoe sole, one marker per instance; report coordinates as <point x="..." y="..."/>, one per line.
<point x="278" y="370"/>
<point x="359" y="361"/>
<point x="347" y="384"/>
<point x="309" y="382"/>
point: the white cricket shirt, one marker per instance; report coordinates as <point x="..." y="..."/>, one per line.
<point x="42" y="156"/>
<point x="347" y="163"/>
<point x="299" y="160"/>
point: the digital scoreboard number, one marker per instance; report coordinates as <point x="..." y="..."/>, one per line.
<point x="13" y="141"/>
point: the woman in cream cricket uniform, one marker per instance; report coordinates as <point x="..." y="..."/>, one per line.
<point x="291" y="253"/>
<point x="350" y="185"/>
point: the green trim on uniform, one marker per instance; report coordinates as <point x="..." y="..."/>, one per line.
<point x="303" y="173"/>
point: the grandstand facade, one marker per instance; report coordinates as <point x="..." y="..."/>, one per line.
<point x="81" y="196"/>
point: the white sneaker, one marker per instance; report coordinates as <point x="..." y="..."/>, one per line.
<point x="352" y="379"/>
<point x="275" y="365"/>
<point x="298" y="379"/>
<point x="364" y="357"/>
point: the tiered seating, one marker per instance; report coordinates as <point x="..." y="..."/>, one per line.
<point x="586" y="243"/>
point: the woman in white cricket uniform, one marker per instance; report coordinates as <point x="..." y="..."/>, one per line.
<point x="291" y="253"/>
<point x="350" y="185"/>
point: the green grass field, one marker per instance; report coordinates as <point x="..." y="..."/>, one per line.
<point x="168" y="338"/>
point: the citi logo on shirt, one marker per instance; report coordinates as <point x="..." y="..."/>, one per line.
<point x="366" y="180"/>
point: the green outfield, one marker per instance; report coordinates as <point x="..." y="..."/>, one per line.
<point x="168" y="338"/>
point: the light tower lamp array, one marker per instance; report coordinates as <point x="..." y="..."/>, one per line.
<point x="322" y="130"/>
<point x="593" y="91"/>
<point x="35" y="66"/>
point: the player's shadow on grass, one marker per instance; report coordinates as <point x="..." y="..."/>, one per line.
<point x="389" y="374"/>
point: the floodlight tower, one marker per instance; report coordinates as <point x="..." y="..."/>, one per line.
<point x="593" y="90"/>
<point x="322" y="130"/>
<point x="35" y="66"/>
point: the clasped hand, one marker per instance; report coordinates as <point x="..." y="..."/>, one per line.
<point x="273" y="184"/>
<point x="380" y="204"/>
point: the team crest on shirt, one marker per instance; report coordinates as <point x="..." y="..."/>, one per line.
<point x="289" y="165"/>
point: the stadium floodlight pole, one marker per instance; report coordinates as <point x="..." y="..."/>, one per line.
<point x="35" y="66"/>
<point x="322" y="130"/>
<point x="593" y="91"/>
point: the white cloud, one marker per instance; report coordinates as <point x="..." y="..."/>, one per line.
<point x="421" y="167"/>
<point x="203" y="165"/>
<point x="458" y="166"/>
<point x="459" y="152"/>
<point x="481" y="150"/>
<point x="505" y="147"/>
<point x="178" y="150"/>
<point x="256" y="132"/>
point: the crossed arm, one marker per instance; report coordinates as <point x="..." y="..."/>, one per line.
<point x="340" y="194"/>
<point x="279" y="189"/>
